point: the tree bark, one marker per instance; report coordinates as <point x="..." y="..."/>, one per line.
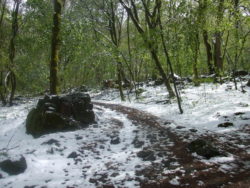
<point x="12" y="50"/>
<point x="2" y="87"/>
<point x="119" y="77"/>
<point x="168" y="59"/>
<point x="195" y="55"/>
<point x="209" y="52"/>
<point x="2" y="12"/>
<point x="162" y="72"/>
<point x="218" y="60"/>
<point x="55" y="46"/>
<point x="217" y="52"/>
<point x="203" y="6"/>
<point x="115" y="30"/>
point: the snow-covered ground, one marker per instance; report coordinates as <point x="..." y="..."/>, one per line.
<point x="93" y="159"/>
<point x="88" y="158"/>
<point x="204" y="107"/>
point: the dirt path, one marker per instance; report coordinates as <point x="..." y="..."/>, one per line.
<point x="184" y="170"/>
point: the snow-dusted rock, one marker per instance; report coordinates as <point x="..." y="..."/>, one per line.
<point x="203" y="148"/>
<point x="60" y="113"/>
<point x="14" y="167"/>
<point x="226" y="124"/>
<point x="248" y="83"/>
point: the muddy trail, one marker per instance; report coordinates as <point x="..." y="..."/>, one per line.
<point x="172" y="165"/>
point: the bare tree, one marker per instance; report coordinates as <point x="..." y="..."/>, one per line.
<point x="168" y="58"/>
<point x="149" y="33"/>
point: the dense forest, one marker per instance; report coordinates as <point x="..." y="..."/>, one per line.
<point x="127" y="41"/>
<point x="124" y="93"/>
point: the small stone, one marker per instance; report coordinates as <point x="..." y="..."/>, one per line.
<point x="158" y="82"/>
<point x="14" y="167"/>
<point x="115" y="140"/>
<point x="146" y="155"/>
<point x="79" y="137"/>
<point x="180" y="127"/>
<point x="193" y="130"/>
<point x="73" y="155"/>
<point x="108" y="186"/>
<point x="243" y="104"/>
<point x="245" y="118"/>
<point x="32" y="186"/>
<point x="51" y="141"/>
<point x="92" y="180"/>
<point x="137" y="143"/>
<point x="114" y="174"/>
<point x="167" y="123"/>
<point x="138" y="166"/>
<point x="135" y="131"/>
<point x="226" y="124"/>
<point x="239" y="113"/>
<point x="95" y="126"/>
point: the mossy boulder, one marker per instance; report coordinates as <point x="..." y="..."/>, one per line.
<point x="204" y="148"/>
<point x="60" y="113"/>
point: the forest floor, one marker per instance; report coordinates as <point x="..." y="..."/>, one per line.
<point x="141" y="143"/>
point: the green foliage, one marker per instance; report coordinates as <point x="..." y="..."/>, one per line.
<point x="88" y="57"/>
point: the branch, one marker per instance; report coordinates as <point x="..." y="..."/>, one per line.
<point x="132" y="16"/>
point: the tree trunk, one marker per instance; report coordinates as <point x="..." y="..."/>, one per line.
<point x="168" y="60"/>
<point x="148" y="37"/>
<point x="2" y="12"/>
<point x="236" y="33"/>
<point x="130" y="66"/>
<point x="12" y="50"/>
<point x="162" y="72"/>
<point x="55" y="46"/>
<point x="195" y="55"/>
<point x="2" y="88"/>
<point x="13" y="86"/>
<point x="119" y="77"/>
<point x="115" y="30"/>
<point x="218" y="62"/>
<point x="203" y="6"/>
<point x="209" y="52"/>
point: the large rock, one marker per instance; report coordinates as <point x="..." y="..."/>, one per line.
<point x="248" y="83"/>
<point x="14" y="167"/>
<point x="203" y="148"/>
<point x="240" y="73"/>
<point x="60" y="113"/>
